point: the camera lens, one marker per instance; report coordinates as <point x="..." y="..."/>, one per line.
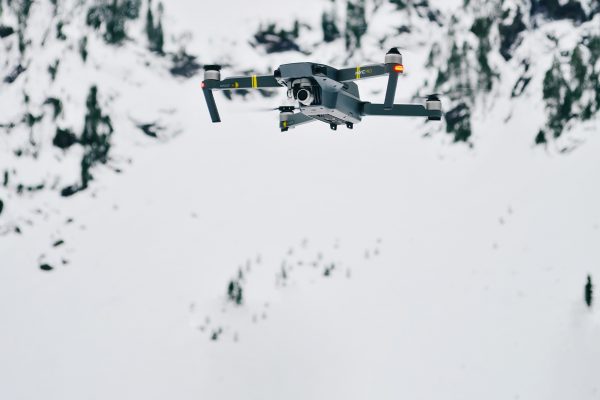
<point x="303" y="94"/>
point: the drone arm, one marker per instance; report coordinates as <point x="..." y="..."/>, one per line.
<point x="401" y="110"/>
<point x="361" y="72"/>
<point x="390" y="92"/>
<point x="212" y="105"/>
<point x="244" y="82"/>
<point x="212" y="81"/>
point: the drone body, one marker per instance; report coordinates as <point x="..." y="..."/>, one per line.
<point x="324" y="93"/>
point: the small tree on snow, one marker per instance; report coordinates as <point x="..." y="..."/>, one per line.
<point x="589" y="292"/>
<point x="155" y="32"/>
<point x="356" y="23"/>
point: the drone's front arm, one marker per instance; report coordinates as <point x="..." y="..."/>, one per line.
<point x="361" y="72"/>
<point x="212" y="81"/>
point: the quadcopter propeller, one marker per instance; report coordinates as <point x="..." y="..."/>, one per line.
<point x="430" y="96"/>
<point x="447" y="93"/>
<point x="280" y="109"/>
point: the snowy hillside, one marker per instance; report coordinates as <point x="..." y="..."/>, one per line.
<point x="147" y="253"/>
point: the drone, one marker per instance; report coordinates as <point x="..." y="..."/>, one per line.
<point x="324" y="93"/>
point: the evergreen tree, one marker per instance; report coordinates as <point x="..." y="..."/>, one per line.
<point x="115" y="24"/>
<point x="235" y="292"/>
<point x="95" y="137"/>
<point x="593" y="44"/>
<point x="578" y="73"/>
<point x="553" y="84"/>
<point x="589" y="292"/>
<point x="330" y="29"/>
<point x="159" y="38"/>
<point x="155" y="32"/>
<point x="356" y="23"/>
<point x="112" y="16"/>
<point x="481" y="28"/>
<point x="540" y="138"/>
<point x="131" y="8"/>
<point x="83" y="51"/>
<point x="150" y="22"/>
<point x="295" y="32"/>
<point x="558" y="98"/>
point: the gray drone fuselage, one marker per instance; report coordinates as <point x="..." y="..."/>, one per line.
<point x="324" y="93"/>
<point x="334" y="102"/>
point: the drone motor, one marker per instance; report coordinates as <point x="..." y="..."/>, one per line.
<point x="212" y="72"/>
<point x="433" y="103"/>
<point x="393" y="56"/>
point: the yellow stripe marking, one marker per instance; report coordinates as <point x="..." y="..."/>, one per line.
<point x="358" y="72"/>
<point x="285" y="124"/>
<point x="254" y="81"/>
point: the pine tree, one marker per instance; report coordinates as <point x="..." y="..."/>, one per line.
<point x="83" y="51"/>
<point x="295" y="32"/>
<point x="150" y="22"/>
<point x="356" y="23"/>
<point x="115" y="24"/>
<point x="95" y="137"/>
<point x="558" y="97"/>
<point x="553" y="84"/>
<point x="330" y="29"/>
<point x="589" y="292"/>
<point x="158" y="38"/>
<point x="158" y="32"/>
<point x="131" y="8"/>
<point x="578" y="73"/>
<point x="155" y="32"/>
<point x="235" y="292"/>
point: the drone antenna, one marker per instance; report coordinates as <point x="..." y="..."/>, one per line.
<point x="394" y="67"/>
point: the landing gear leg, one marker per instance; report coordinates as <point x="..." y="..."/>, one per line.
<point x="333" y="127"/>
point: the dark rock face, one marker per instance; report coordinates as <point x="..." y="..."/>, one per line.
<point x="6" y="31"/>
<point x="46" y="267"/>
<point x="552" y="9"/>
<point x="10" y="78"/>
<point x="184" y="65"/>
<point x="149" y="130"/>
<point x="56" y="105"/>
<point x="112" y="18"/>
<point x="509" y="34"/>
<point x="277" y="40"/>
<point x="69" y="191"/>
<point x="64" y="138"/>
<point x="458" y="122"/>
<point x="95" y="140"/>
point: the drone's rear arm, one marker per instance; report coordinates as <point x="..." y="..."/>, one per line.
<point x="402" y="110"/>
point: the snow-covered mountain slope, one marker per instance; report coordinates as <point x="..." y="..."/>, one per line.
<point x="382" y="262"/>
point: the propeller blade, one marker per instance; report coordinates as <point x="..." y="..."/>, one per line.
<point x="391" y="90"/>
<point x="212" y="105"/>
